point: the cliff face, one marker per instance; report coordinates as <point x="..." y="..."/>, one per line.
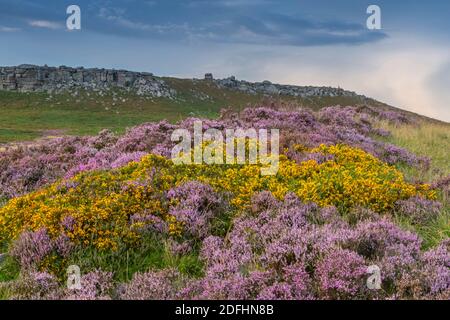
<point x="30" y="78"/>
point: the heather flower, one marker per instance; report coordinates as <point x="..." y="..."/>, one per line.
<point x="63" y="245"/>
<point x="147" y="222"/>
<point x="373" y="238"/>
<point x="180" y="249"/>
<point x="418" y="209"/>
<point x="34" y="286"/>
<point x="394" y="117"/>
<point x="194" y="204"/>
<point x="381" y="132"/>
<point x="127" y="158"/>
<point x="340" y="275"/>
<point x="436" y="265"/>
<point x="296" y="285"/>
<point x="262" y="201"/>
<point x="443" y="184"/>
<point x="68" y="223"/>
<point x="31" y="248"/>
<point x="151" y="286"/>
<point x="96" y="285"/>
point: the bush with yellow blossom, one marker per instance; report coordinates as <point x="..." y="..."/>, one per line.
<point x="102" y="202"/>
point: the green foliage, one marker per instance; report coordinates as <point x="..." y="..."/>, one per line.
<point x="25" y="116"/>
<point x="9" y="269"/>
<point x="153" y="252"/>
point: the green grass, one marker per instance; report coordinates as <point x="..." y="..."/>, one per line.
<point x="9" y="270"/>
<point x="153" y="253"/>
<point x="433" y="232"/>
<point x="26" y="116"/>
<point x="430" y="139"/>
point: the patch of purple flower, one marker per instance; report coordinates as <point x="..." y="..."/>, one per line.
<point x="341" y="275"/>
<point x="29" y="167"/>
<point x="31" y="248"/>
<point x="418" y="209"/>
<point x="151" y="286"/>
<point x="193" y="206"/>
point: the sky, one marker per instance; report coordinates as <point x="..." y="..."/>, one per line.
<point x="304" y="42"/>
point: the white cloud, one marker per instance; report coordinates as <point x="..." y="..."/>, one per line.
<point x="45" y="24"/>
<point x="409" y="74"/>
<point x="230" y="3"/>
<point x="8" y="29"/>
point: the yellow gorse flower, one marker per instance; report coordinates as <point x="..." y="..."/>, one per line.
<point x="102" y="202"/>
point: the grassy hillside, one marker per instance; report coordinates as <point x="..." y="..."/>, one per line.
<point x="426" y="138"/>
<point x="25" y="116"/>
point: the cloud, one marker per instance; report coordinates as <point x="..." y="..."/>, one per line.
<point x="231" y="27"/>
<point x="412" y="74"/>
<point x="438" y="85"/>
<point x="117" y="16"/>
<point x="281" y="29"/>
<point x="9" y="29"/>
<point x="230" y="3"/>
<point x="45" y="24"/>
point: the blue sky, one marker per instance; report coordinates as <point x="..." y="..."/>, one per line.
<point x="321" y="42"/>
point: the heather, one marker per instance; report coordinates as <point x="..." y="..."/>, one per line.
<point x="141" y="227"/>
<point x="28" y="167"/>
<point x="281" y="250"/>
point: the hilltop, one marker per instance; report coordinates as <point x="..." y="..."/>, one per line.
<point x="37" y="101"/>
<point x="32" y="78"/>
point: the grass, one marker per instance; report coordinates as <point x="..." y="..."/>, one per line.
<point x="153" y="253"/>
<point x="430" y="139"/>
<point x="9" y="271"/>
<point x="26" y="116"/>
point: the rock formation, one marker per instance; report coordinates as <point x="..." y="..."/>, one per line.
<point x="31" y="78"/>
<point x="266" y="87"/>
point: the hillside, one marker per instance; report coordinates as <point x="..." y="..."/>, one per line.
<point x="31" y="107"/>
<point x="358" y="184"/>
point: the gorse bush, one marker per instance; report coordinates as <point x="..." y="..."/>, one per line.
<point x="100" y="203"/>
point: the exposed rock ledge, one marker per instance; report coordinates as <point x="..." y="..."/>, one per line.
<point x="31" y="78"/>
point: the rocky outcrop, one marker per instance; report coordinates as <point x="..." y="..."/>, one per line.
<point x="31" y="78"/>
<point x="268" y="88"/>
